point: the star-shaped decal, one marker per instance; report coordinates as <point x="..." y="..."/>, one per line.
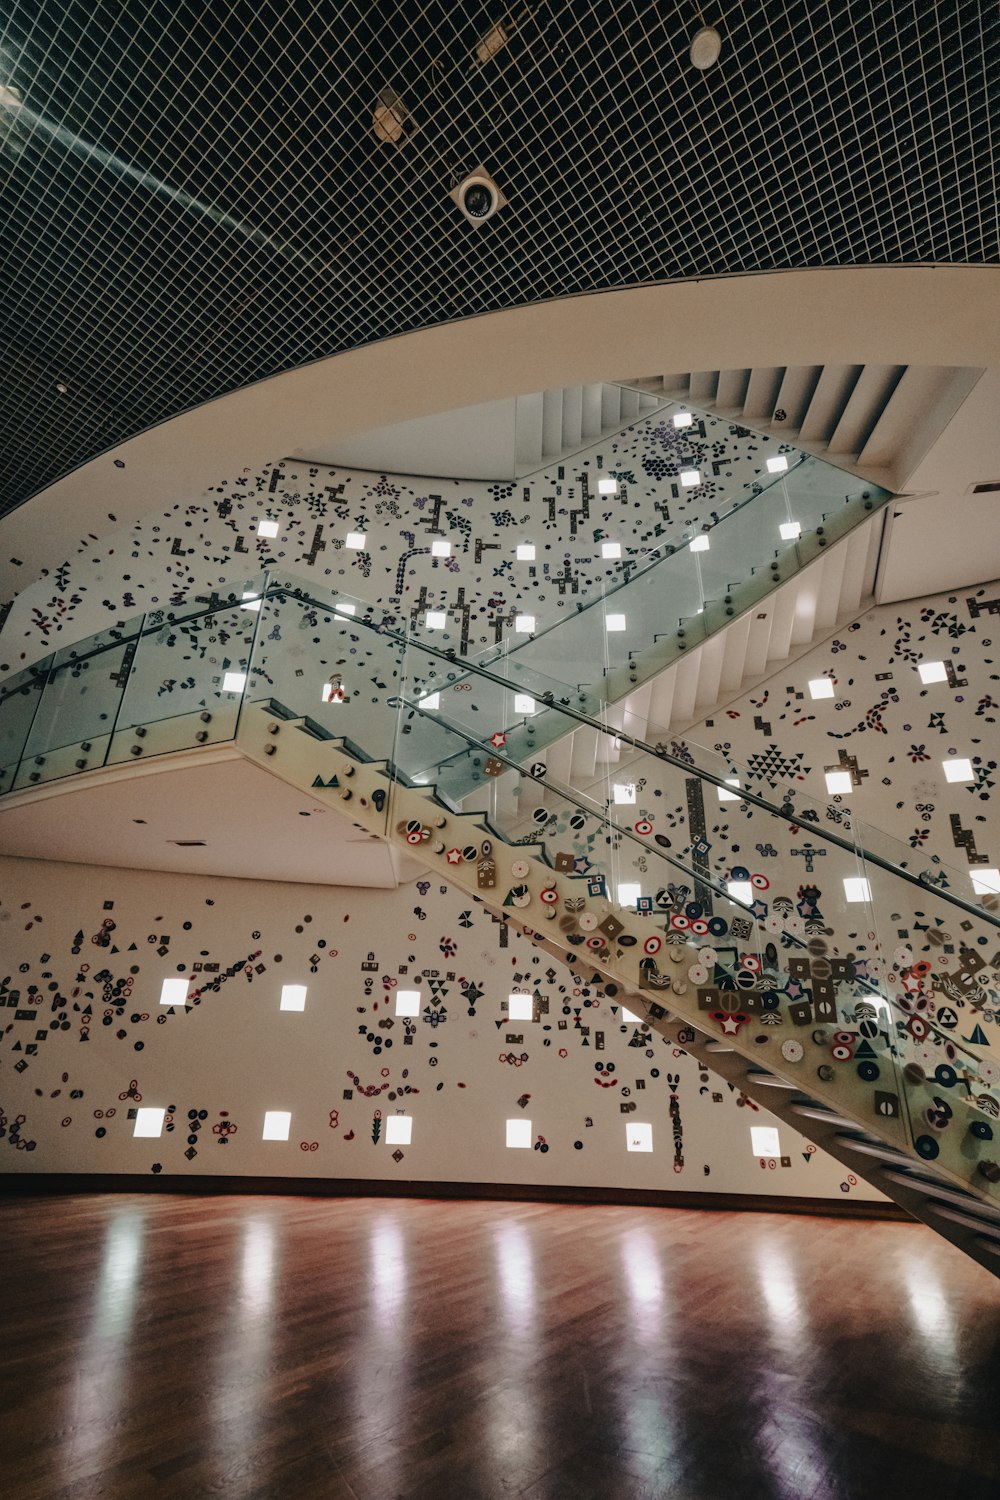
<point x="581" y="865"/>
<point x="498" y="740"/>
<point x="454" y="856"/>
<point x="730" y="1026"/>
<point x="759" y="910"/>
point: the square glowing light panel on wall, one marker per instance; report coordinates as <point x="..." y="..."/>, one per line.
<point x="607" y="485"/>
<point x="520" y="1007"/>
<point x="725" y="796"/>
<point x="526" y="552"/>
<point x="407" y="1002"/>
<point x="629" y="892"/>
<point x="624" y="793"/>
<point x="790" y="530"/>
<point x="839" y="783"/>
<point x="398" y="1129"/>
<point x="683" y="419"/>
<point x="614" y="622"/>
<point x="958" y="770"/>
<point x="856" y="888"/>
<point x="234" y="682"/>
<point x="440" y="549"/>
<point x="611" y="549"/>
<point x="267" y="528"/>
<point x="628" y="1015"/>
<point x="355" y="540"/>
<point x="293" y="997"/>
<point x="741" y="890"/>
<point x="519" y="1134"/>
<point x="524" y="624"/>
<point x="986" y="882"/>
<point x="524" y="703"/>
<point x="173" y="992"/>
<point x="778" y="464"/>
<point x="764" y="1140"/>
<point x="820" y="687"/>
<point x="341" y="608"/>
<point x="639" y="1137"/>
<point x="277" y="1123"/>
<point x="148" y="1121"/>
<point x="435" y="619"/>
<point x="932" y="671"/>
<point x="689" y="478"/>
<point x="700" y="543"/>
<point x="430" y="702"/>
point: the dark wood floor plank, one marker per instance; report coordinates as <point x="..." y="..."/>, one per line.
<point x="167" y="1346"/>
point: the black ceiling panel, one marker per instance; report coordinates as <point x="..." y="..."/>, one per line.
<point x="192" y="196"/>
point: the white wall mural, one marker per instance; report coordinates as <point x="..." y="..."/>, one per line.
<point x="86" y="1043"/>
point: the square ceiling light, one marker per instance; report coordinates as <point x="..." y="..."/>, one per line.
<point x="293" y="997"/>
<point x="607" y="485"/>
<point x="790" y="530"/>
<point x="986" y="882"/>
<point x="932" y="671"/>
<point x="234" y="682"/>
<point x="519" y="1134"/>
<point x="856" y="888"/>
<point x="639" y="1137"/>
<point x="355" y="540"/>
<point x="683" y="419"/>
<point x="689" y="478"/>
<point x="524" y="703"/>
<point x="429" y="702"/>
<point x="436" y="619"/>
<point x="440" y="548"/>
<point x="277" y="1124"/>
<point x="398" y="1130"/>
<point x="764" y="1140"/>
<point x="520" y="1007"/>
<point x="623" y="793"/>
<point x="629" y="892"/>
<point x="700" y="544"/>
<point x="407" y="1002"/>
<point x="611" y="549"/>
<point x="615" y="622"/>
<point x="174" y="992"/>
<point x="526" y="552"/>
<point x="725" y="796"/>
<point x="839" y="783"/>
<point x="741" y="890"/>
<point x="148" y="1122"/>
<point x="268" y="528"/>
<point x="343" y="608"/>
<point x="778" y="464"/>
<point x="524" y="624"/>
<point x="820" y="687"/>
<point x="958" y="770"/>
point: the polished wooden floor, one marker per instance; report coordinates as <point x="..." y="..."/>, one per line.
<point x="356" y="1349"/>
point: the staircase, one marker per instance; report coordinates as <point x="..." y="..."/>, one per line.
<point x="853" y="992"/>
<point x="551" y="425"/>
<point x="878" y="420"/>
<point x="926" y="1140"/>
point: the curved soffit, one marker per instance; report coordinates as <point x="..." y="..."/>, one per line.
<point x="906" y="315"/>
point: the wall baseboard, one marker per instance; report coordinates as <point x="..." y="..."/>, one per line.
<point x="50" y="1183"/>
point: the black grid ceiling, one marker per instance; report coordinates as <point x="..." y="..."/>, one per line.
<point x="193" y="197"/>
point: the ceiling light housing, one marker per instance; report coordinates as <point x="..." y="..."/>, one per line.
<point x="478" y="196"/>
<point x="706" y="45"/>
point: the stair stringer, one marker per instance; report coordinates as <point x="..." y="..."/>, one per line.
<point x="517" y="880"/>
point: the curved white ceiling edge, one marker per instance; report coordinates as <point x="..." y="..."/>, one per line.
<point x="937" y="315"/>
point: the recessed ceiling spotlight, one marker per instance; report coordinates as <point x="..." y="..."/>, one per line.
<point x="493" y="42"/>
<point x="389" y="117"/>
<point x="478" y="196"/>
<point x="706" y="45"/>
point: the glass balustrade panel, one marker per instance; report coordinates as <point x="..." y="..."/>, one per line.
<point x="187" y="677"/>
<point x="76" y="716"/>
<point x="20" y="695"/>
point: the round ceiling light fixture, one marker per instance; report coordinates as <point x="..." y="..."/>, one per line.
<point x="478" y="196"/>
<point x="706" y="45"/>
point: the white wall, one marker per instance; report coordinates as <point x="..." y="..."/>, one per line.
<point x="73" y="1062"/>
